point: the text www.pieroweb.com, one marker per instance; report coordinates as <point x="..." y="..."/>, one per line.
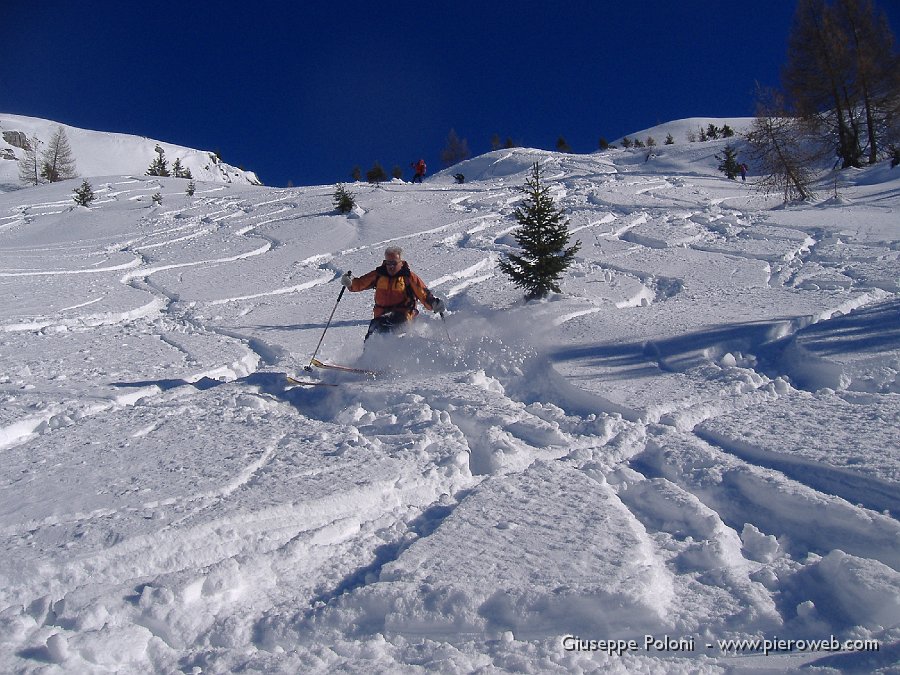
<point x="766" y="646"/>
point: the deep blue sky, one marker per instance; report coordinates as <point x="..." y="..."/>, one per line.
<point x="303" y="91"/>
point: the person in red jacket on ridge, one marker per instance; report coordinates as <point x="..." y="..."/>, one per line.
<point x="420" y="171"/>
<point x="397" y="289"/>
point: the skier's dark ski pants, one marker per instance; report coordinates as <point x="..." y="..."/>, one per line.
<point x="388" y="323"/>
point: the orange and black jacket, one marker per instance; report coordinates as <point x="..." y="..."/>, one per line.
<point x="396" y="293"/>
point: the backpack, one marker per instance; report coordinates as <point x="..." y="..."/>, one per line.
<point x="410" y="303"/>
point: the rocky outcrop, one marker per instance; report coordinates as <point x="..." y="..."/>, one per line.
<point x="17" y="139"/>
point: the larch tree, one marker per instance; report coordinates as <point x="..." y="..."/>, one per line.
<point x="816" y="75"/>
<point x="842" y="76"/>
<point x="876" y="68"/>
<point x="781" y="149"/>
<point x="29" y="164"/>
<point x="456" y="149"/>
<point x="57" y="162"/>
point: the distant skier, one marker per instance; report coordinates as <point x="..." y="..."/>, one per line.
<point x="743" y="172"/>
<point x="419" y="168"/>
<point x="397" y="289"/>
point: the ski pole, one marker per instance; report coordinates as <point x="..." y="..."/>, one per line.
<point x="444" y="321"/>
<point x="340" y="295"/>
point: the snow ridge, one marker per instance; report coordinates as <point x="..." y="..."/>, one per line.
<point x="108" y="154"/>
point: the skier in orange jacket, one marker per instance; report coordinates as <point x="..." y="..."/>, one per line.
<point x="397" y="288"/>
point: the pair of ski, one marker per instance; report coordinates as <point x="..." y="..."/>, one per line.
<point x="328" y="366"/>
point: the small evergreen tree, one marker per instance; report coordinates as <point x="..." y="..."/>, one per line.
<point x="543" y="236"/>
<point x="727" y="131"/>
<point x="651" y="142"/>
<point x="157" y="198"/>
<point x="603" y="144"/>
<point x="191" y="188"/>
<point x="356" y="174"/>
<point x="376" y="174"/>
<point x="670" y="140"/>
<point x="343" y="200"/>
<point x="627" y="142"/>
<point x="84" y="195"/>
<point x="495" y="142"/>
<point x="712" y="132"/>
<point x="159" y="166"/>
<point x="728" y="163"/>
<point x="562" y="145"/>
<point x="179" y="170"/>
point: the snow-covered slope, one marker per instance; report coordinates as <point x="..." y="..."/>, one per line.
<point x="685" y="129"/>
<point x="696" y="442"/>
<point x="99" y="153"/>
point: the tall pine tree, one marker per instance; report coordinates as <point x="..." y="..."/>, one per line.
<point x="543" y="235"/>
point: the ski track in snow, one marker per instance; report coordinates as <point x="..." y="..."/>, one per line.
<point x="347" y="517"/>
